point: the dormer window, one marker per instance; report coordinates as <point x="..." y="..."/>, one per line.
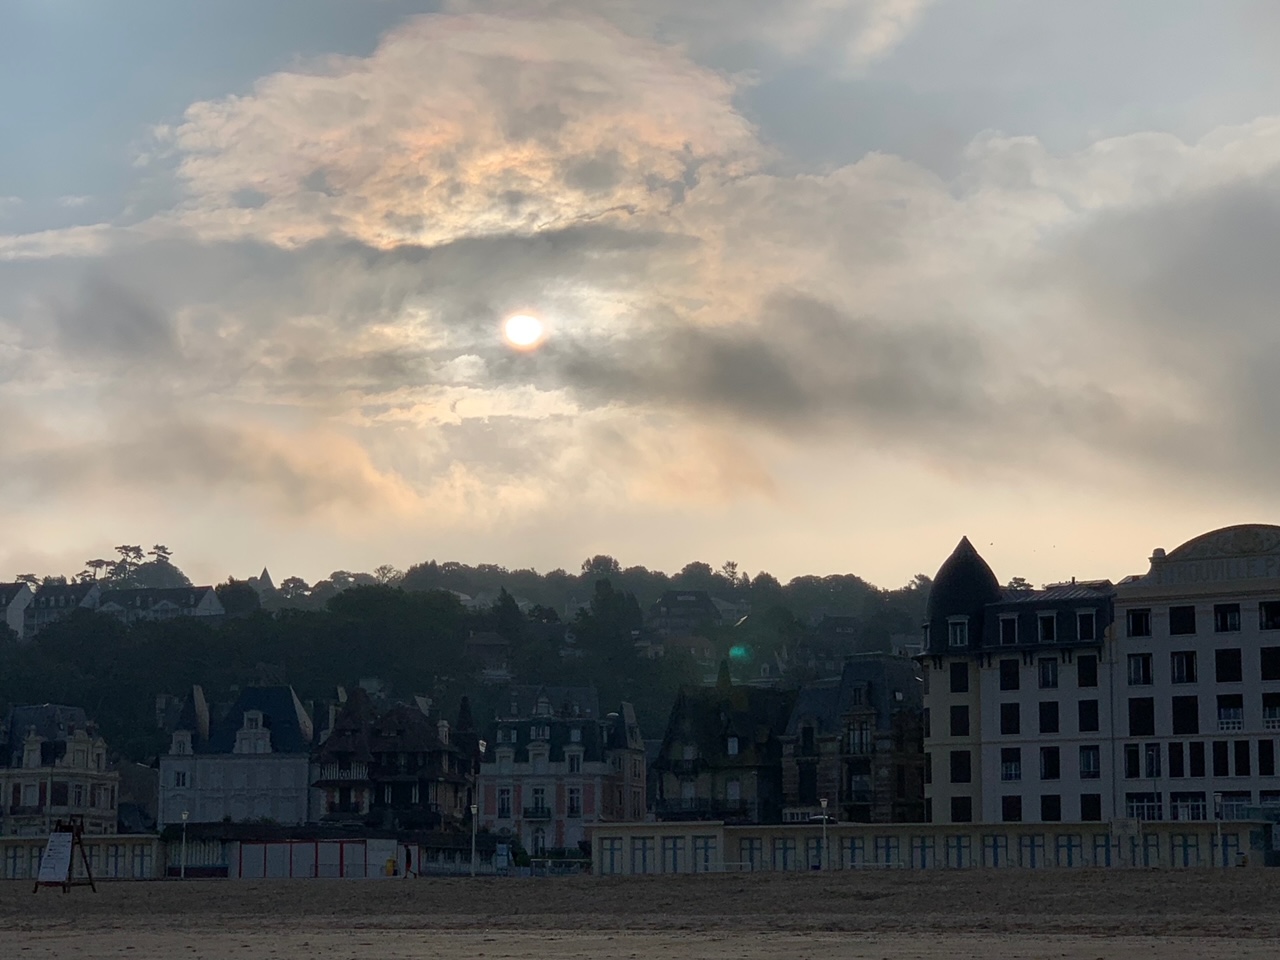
<point x="575" y="735"/>
<point x="732" y="746"/>
<point x="958" y="632"/>
<point x="253" y="721"/>
<point x="544" y="707"/>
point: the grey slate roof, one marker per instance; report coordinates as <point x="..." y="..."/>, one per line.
<point x="282" y="713"/>
<point x="52" y="721"/>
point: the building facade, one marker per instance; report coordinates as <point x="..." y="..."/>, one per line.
<point x="554" y="766"/>
<point x="397" y="767"/>
<point x="55" y="601"/>
<point x="1197" y="679"/>
<point x="54" y="767"/>
<point x="145" y="604"/>
<point x="251" y="762"/>
<point x="857" y="742"/>
<point x="721" y="756"/>
<point x="1157" y="698"/>
<point x="638" y="849"/>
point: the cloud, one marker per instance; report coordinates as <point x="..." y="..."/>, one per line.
<point x="856" y="31"/>
<point x="460" y="127"/>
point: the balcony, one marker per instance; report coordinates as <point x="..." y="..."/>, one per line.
<point x="537" y="813"/>
<point x="703" y="809"/>
<point x="1271" y="722"/>
<point x="337" y="772"/>
<point x="1229" y="723"/>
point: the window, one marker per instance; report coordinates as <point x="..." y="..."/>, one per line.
<point x="1195" y="758"/>
<point x="961" y="809"/>
<point x="1008" y="631"/>
<point x="179" y="778"/>
<point x="1230" y="712"/>
<point x="1143" y="806"/>
<point x="1088" y="715"/>
<point x="1151" y="760"/>
<point x="1142" y="717"/>
<point x="1051" y="808"/>
<point x="732" y="747"/>
<point x="958" y="633"/>
<point x="575" y="763"/>
<point x="1048" y="673"/>
<point x="575" y="802"/>
<point x="1090" y="807"/>
<point x="1087" y="671"/>
<point x="1139" y="669"/>
<point x="1010" y="764"/>
<point x="1050" y="763"/>
<point x="1010" y="719"/>
<point x="1271" y="711"/>
<point x="575" y="735"/>
<point x="1270" y="663"/>
<point x="1048" y="627"/>
<point x="504" y="803"/>
<point x="1266" y="758"/>
<point x="1177" y="770"/>
<point x="1011" y="809"/>
<point x="1186" y="716"/>
<point x="1269" y="615"/>
<point x="1243" y="767"/>
<point x="1227" y="665"/>
<point x="1049" y="716"/>
<point x="1221" y="756"/>
<point x="1182" y="621"/>
<point x="1086" y="625"/>
<point x="959" y="721"/>
<point x="961" y="766"/>
<point x="1226" y="618"/>
<point x="960" y="677"/>
<point x="1010" y="673"/>
<point x="1138" y="623"/>
<point x="928" y="725"/>
<point x="1182" y="666"/>
<point x="1090" y="762"/>
<point x="1132" y="761"/>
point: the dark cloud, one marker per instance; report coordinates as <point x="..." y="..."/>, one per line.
<point x="113" y="322"/>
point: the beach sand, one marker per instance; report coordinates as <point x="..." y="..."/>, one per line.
<point x="962" y="914"/>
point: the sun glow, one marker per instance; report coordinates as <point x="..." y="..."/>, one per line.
<point x="522" y="331"/>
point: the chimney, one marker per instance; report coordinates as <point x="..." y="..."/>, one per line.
<point x="442" y="727"/>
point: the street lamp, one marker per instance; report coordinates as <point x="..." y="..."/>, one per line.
<point x="182" y="867"/>
<point x="826" y="853"/>
<point x="474" y="809"/>
<point x="1217" y="815"/>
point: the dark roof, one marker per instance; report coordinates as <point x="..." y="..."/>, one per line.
<point x="282" y="714"/>
<point x="406" y="729"/>
<point x="75" y="592"/>
<point x="10" y="590"/>
<point x="349" y="738"/>
<point x="54" y="722"/>
<point x="963" y="586"/>
<point x="881" y="681"/>
<point x="1056" y="592"/>
<point x="145" y="598"/>
<point x="522" y="701"/>
<point x="707" y="716"/>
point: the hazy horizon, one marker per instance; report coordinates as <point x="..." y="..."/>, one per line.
<point x="825" y="285"/>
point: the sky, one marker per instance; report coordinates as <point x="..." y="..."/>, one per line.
<point x="825" y="284"/>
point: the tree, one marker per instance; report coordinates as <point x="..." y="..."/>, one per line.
<point x="294" y="588"/>
<point x="388" y="575"/>
<point x="238" y="598"/>
<point x="160" y="553"/>
<point x="600" y="566"/>
<point x="28" y="578"/>
<point x="1019" y="585"/>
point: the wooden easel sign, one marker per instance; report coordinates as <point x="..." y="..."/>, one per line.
<point x="59" y="857"/>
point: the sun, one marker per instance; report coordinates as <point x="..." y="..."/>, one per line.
<point x="523" y="331"/>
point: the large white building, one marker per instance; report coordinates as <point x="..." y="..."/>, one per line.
<point x="251" y="763"/>
<point x="1157" y="698"/>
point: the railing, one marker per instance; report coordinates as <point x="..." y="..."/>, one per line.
<point x="333" y="771"/>
<point x="1271" y="723"/>
<point x="537" y="813"/>
<point x="1228" y="724"/>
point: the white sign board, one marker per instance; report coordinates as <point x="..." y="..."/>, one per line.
<point x="55" y="866"/>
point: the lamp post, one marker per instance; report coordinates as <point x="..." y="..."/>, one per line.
<point x="474" y="809"/>
<point x="182" y="866"/>
<point x="1217" y="815"/>
<point x="826" y="853"/>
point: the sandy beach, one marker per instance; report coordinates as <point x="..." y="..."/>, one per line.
<point x="847" y="915"/>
